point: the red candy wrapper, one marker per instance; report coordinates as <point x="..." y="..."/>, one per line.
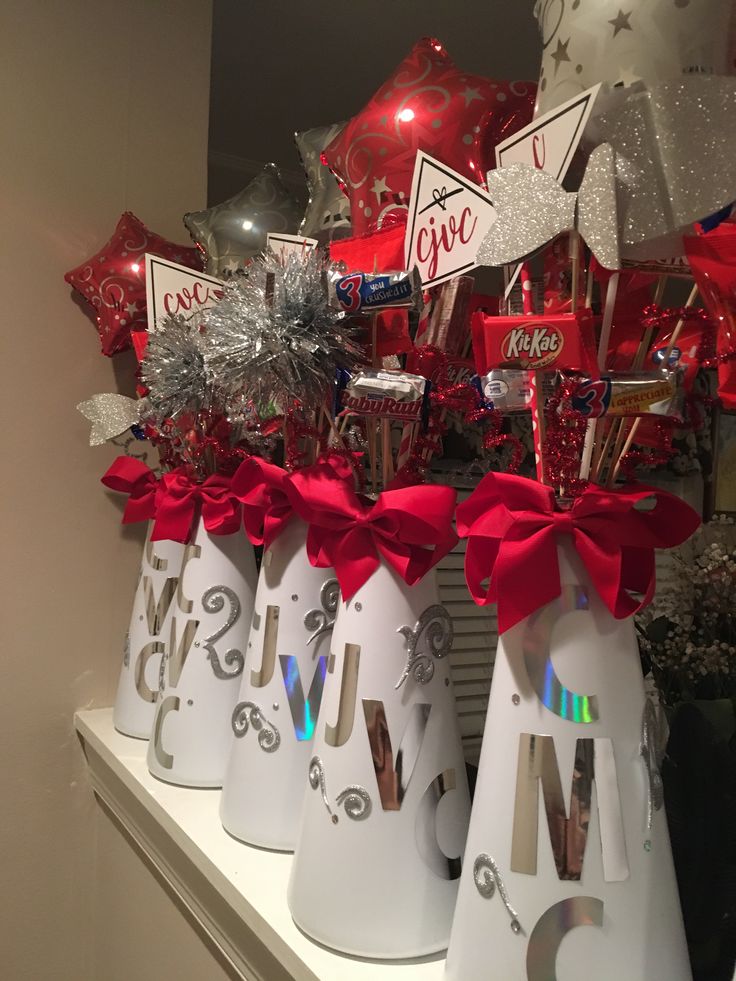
<point x="558" y="277"/>
<point x="633" y="297"/>
<point x="383" y="249"/>
<point x="713" y="262"/>
<point x="564" y="342"/>
<point x="695" y="344"/>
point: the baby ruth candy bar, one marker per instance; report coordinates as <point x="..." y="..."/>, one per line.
<point x="565" y="341"/>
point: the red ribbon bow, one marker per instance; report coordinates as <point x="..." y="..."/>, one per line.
<point x="132" y="477"/>
<point x="180" y="499"/>
<point x="512" y="524"/>
<point x="411" y="528"/>
<point x="261" y="489"/>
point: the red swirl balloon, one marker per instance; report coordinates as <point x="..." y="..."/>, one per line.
<point x="113" y="280"/>
<point x="427" y="104"/>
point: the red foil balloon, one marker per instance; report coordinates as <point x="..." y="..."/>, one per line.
<point x="427" y="104"/>
<point x="113" y="280"/>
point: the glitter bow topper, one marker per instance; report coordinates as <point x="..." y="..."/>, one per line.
<point x="110" y="414"/>
<point x="663" y="163"/>
<point x="674" y="143"/>
<point x="533" y="208"/>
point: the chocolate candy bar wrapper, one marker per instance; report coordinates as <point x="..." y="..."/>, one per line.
<point x="564" y="342"/>
<point x="391" y="394"/>
<point x="359" y="292"/>
<point x="510" y="390"/>
<point x="634" y="394"/>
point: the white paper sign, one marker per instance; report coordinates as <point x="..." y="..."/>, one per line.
<point x="549" y="143"/>
<point x="283" y="245"/>
<point x="551" y="140"/>
<point x="449" y="217"/>
<point x="172" y="289"/>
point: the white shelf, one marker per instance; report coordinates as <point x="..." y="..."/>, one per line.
<point x="237" y="893"/>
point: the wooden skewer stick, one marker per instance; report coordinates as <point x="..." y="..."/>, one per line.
<point x="372" y="423"/>
<point x="659" y="290"/>
<point x="602" y="437"/>
<point x="646" y="340"/>
<point x="619" y="454"/>
<point x="386" y="458"/>
<point x="575" y="278"/>
<point x="624" y="450"/>
<point x="678" y="328"/>
<point x="603" y="454"/>
<point x="372" y="452"/>
<point x="336" y="435"/>
<point x="589" y="286"/>
<point x="621" y="441"/>
<point x="611" y="292"/>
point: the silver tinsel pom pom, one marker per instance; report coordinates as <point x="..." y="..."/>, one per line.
<point x="274" y="338"/>
<point x="173" y="370"/>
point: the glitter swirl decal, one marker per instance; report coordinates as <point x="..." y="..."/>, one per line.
<point x="317" y="780"/>
<point x="434" y="628"/>
<point x="536" y="646"/>
<point x="652" y="747"/>
<point x="248" y="714"/>
<point x="487" y="878"/>
<point x="322" y="621"/>
<point x="213" y="601"/>
<point x="356" y="800"/>
<point x="551" y="929"/>
<point x="126" y="650"/>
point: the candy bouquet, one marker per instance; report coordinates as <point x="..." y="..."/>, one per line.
<point x="313" y="395"/>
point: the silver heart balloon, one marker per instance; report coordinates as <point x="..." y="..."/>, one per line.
<point x="231" y="232"/>
<point x="328" y="213"/>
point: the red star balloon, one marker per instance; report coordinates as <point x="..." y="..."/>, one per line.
<point x="427" y="104"/>
<point x="113" y="280"/>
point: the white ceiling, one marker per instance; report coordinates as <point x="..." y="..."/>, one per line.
<point x="289" y="65"/>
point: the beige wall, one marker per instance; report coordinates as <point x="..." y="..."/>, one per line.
<point x="103" y="108"/>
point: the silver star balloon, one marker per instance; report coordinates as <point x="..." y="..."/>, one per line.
<point x="231" y="232"/>
<point x="110" y="414"/>
<point x="328" y="213"/>
<point x="622" y="41"/>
